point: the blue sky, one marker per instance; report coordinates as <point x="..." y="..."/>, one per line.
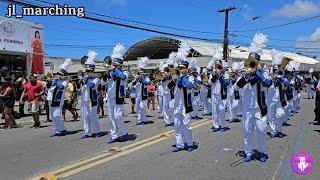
<point x="198" y="15"/>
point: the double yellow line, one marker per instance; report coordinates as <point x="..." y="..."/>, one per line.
<point x="111" y="154"/>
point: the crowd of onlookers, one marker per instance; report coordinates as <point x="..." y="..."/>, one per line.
<point x="31" y="94"/>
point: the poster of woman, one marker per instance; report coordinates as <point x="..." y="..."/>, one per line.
<point x="37" y="54"/>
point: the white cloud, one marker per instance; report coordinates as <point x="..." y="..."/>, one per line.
<point x="312" y="46"/>
<point x="299" y="8"/>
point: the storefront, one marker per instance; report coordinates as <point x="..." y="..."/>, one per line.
<point x="21" y="47"/>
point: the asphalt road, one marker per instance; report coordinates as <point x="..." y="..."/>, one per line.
<point x="28" y="153"/>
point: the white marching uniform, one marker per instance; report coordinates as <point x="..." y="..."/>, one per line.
<point x="89" y="106"/>
<point x="195" y="100"/>
<point x="233" y="102"/>
<point x="218" y="99"/>
<point x="116" y="94"/>
<point x="183" y="112"/>
<point x="309" y="90"/>
<point x="160" y="94"/>
<point x="167" y="117"/>
<point x="254" y="112"/>
<point x="56" y="101"/>
<point x="276" y="105"/>
<point x="141" y="99"/>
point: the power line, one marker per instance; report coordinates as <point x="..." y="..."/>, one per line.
<point x="125" y="25"/>
<point x="276" y="39"/>
<point x="139" y="22"/>
<point x="281" y="25"/>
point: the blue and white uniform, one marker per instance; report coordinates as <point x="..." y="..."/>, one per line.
<point x="277" y="105"/>
<point x="233" y="101"/>
<point x="183" y="112"/>
<point x="57" y="92"/>
<point x="167" y="95"/>
<point x="116" y="94"/>
<point x="254" y="111"/>
<point x="160" y="93"/>
<point x="218" y="97"/>
<point x="141" y="99"/>
<point x="195" y="96"/>
<point x="89" y="106"/>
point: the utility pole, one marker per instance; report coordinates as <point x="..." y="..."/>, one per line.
<point x="226" y="30"/>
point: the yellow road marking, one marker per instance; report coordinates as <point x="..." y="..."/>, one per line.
<point x="114" y="153"/>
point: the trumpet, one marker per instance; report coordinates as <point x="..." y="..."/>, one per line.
<point x="233" y="76"/>
<point x="251" y="65"/>
<point x="218" y="66"/>
<point x="204" y="78"/>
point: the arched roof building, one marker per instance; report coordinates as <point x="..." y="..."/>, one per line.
<point x="158" y="48"/>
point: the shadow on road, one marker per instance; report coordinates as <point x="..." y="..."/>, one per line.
<point x="74" y="132"/>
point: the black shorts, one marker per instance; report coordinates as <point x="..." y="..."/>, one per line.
<point x="8" y="104"/>
<point x="133" y="100"/>
<point x="150" y="94"/>
<point x="67" y="106"/>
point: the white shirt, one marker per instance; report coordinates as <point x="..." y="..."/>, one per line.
<point x="160" y="90"/>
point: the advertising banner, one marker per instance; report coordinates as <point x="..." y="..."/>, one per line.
<point x="21" y="36"/>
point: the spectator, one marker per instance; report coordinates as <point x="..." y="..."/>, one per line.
<point x="20" y="82"/>
<point x="151" y="91"/>
<point x="68" y="102"/>
<point x="48" y="97"/>
<point x="75" y="98"/>
<point x="160" y="93"/>
<point x="132" y="90"/>
<point x="100" y="100"/>
<point x="33" y="90"/>
<point x="7" y="94"/>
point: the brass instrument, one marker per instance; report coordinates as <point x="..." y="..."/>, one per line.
<point x="83" y="61"/>
<point x="49" y="76"/>
<point x="233" y="76"/>
<point x="218" y="66"/>
<point x="107" y="61"/>
<point x="175" y="73"/>
<point x="251" y="65"/>
<point x="204" y="78"/>
<point x="285" y="61"/>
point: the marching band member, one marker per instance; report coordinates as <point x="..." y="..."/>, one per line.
<point x="290" y="72"/>
<point x="276" y="97"/>
<point x="141" y="83"/>
<point x="90" y="99"/>
<point x="116" y="94"/>
<point x="58" y="90"/>
<point x="193" y="70"/>
<point x="219" y="85"/>
<point x="168" y="95"/>
<point x="159" y="93"/>
<point x="297" y="87"/>
<point x="309" y="83"/>
<point x="233" y="95"/>
<point x="183" y="104"/>
<point x="207" y="90"/>
<point x="254" y="109"/>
